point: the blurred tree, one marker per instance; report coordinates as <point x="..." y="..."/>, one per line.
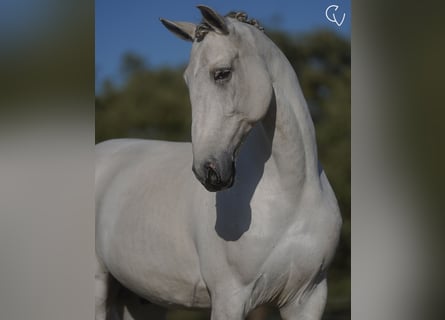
<point x="154" y="103"/>
<point x="132" y="64"/>
<point x="151" y="103"/>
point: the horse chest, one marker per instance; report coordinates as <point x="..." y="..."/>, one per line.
<point x="278" y="256"/>
<point x="288" y="271"/>
<point x="251" y="252"/>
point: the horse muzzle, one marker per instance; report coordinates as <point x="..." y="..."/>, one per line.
<point x="215" y="177"/>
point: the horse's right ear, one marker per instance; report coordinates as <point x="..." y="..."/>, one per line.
<point x="213" y="19"/>
<point x="184" y="30"/>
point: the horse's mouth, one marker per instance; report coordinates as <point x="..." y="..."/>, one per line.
<point x="221" y="186"/>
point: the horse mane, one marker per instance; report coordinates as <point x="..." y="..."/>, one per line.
<point x="203" y="27"/>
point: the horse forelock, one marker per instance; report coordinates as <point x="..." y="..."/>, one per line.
<point x="203" y="28"/>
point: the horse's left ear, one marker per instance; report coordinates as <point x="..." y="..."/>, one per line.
<point x="184" y="30"/>
<point x="215" y="20"/>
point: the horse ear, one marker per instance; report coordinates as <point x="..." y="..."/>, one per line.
<point x="184" y="30"/>
<point x="213" y="19"/>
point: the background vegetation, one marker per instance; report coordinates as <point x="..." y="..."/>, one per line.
<point x="153" y="103"/>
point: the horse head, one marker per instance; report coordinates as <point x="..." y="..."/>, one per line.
<point x="230" y="90"/>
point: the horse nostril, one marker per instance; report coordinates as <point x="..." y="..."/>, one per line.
<point x="212" y="176"/>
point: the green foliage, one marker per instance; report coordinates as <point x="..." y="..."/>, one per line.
<point x="154" y="103"/>
<point x="151" y="104"/>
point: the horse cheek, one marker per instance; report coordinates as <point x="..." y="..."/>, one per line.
<point x="260" y="101"/>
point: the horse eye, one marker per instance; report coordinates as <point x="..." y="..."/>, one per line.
<point x="222" y="75"/>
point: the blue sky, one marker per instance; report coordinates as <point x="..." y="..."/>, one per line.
<point x="133" y="26"/>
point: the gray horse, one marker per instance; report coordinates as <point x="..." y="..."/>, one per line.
<point x="176" y="224"/>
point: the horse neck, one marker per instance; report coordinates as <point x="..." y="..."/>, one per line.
<point x="289" y="126"/>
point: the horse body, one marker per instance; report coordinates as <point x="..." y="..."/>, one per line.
<point x="144" y="218"/>
<point x="268" y="239"/>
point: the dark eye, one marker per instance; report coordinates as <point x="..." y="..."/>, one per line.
<point x="222" y="75"/>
